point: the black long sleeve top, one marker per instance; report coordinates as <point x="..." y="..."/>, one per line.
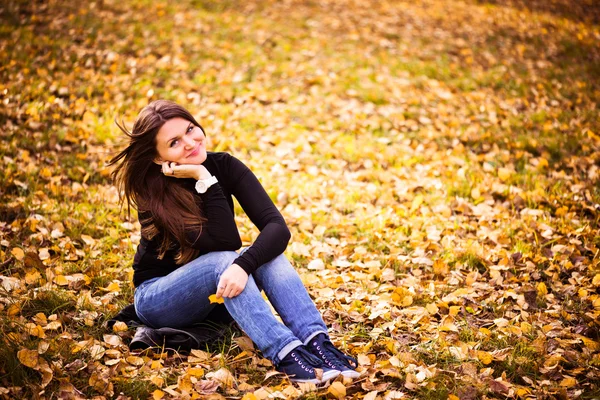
<point x="219" y="232"/>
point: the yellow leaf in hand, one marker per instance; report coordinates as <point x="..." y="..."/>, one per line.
<point x="214" y="299"/>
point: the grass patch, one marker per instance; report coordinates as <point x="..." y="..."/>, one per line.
<point x="49" y="302"/>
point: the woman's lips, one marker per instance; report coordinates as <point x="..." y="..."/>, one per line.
<point x="195" y="152"/>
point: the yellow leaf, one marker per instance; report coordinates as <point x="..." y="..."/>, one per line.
<point x="504" y="174"/>
<point x="135" y="360"/>
<point x="35" y="330"/>
<point x="454" y="310"/>
<point x="18" y="253"/>
<point x="184" y="384"/>
<point x="568" y="382"/>
<point x="590" y="344"/>
<point x="416" y="203"/>
<point x="13" y="309"/>
<point x="156" y="364"/>
<point x="485" y="331"/>
<point x="432" y="308"/>
<point x="120" y="326"/>
<point x="440" y="268"/>
<point x="526" y="327"/>
<point x="214" y="299"/>
<point x="113" y="287"/>
<point x="485" y="357"/>
<point x="447" y="325"/>
<point x="249" y="396"/>
<point x="197" y="372"/>
<point x="61" y="280"/>
<point x="29" y="358"/>
<point x="32" y="277"/>
<point x="596" y="280"/>
<point x="542" y="290"/>
<point x="453" y="397"/>
<point x="158" y="394"/>
<point x="337" y="390"/>
<point x="157" y="380"/>
<point x="46" y="172"/>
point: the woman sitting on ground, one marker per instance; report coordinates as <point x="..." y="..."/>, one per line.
<point x="183" y="195"/>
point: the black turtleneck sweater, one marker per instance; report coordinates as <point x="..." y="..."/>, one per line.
<point x="219" y="232"/>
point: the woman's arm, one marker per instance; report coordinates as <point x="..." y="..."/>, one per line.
<point x="274" y="233"/>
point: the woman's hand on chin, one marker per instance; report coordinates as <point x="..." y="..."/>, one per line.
<point x="185" y="170"/>
<point x="232" y="282"/>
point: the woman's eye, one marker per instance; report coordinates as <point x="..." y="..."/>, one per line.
<point x="190" y="128"/>
<point x="173" y="143"/>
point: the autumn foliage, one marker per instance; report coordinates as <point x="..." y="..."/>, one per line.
<point x="437" y="162"/>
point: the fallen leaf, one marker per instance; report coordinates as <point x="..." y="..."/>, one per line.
<point x="337" y="390"/>
<point x="29" y="358"/>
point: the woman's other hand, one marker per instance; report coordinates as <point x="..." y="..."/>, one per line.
<point x="232" y="282"/>
<point x="185" y="170"/>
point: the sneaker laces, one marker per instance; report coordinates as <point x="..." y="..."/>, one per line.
<point x="307" y="356"/>
<point x="333" y="356"/>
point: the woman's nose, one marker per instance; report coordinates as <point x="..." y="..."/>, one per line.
<point x="189" y="142"/>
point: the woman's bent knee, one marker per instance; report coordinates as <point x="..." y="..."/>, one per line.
<point x="223" y="260"/>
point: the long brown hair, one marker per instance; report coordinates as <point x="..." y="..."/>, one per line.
<point x="172" y="209"/>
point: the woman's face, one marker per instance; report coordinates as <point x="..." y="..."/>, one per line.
<point x="180" y="141"/>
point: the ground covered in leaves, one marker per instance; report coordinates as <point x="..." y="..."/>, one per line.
<point x="437" y="161"/>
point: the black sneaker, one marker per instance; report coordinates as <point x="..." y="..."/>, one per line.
<point x="322" y="347"/>
<point x="301" y="366"/>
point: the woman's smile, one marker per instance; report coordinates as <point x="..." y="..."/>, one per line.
<point x="194" y="152"/>
<point x="180" y="141"/>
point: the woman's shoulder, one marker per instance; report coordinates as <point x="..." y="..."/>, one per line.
<point x="225" y="160"/>
<point x="218" y="156"/>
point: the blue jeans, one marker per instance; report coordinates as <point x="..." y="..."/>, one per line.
<point x="180" y="299"/>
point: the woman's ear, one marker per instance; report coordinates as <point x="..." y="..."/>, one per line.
<point x="158" y="160"/>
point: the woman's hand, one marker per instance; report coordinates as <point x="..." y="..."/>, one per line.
<point x="232" y="282"/>
<point x="185" y="170"/>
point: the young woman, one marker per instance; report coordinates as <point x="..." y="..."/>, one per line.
<point x="183" y="195"/>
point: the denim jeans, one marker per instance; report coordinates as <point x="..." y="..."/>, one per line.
<point x="180" y="299"/>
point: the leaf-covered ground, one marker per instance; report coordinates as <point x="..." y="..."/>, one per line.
<point x="437" y="161"/>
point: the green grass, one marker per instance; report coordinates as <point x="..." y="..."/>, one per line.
<point x="49" y="302"/>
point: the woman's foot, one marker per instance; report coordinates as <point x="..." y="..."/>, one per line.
<point x="322" y="347"/>
<point x="301" y="366"/>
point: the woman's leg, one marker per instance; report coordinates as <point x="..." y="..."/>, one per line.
<point x="285" y="290"/>
<point x="180" y="299"/>
<point x="289" y="297"/>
